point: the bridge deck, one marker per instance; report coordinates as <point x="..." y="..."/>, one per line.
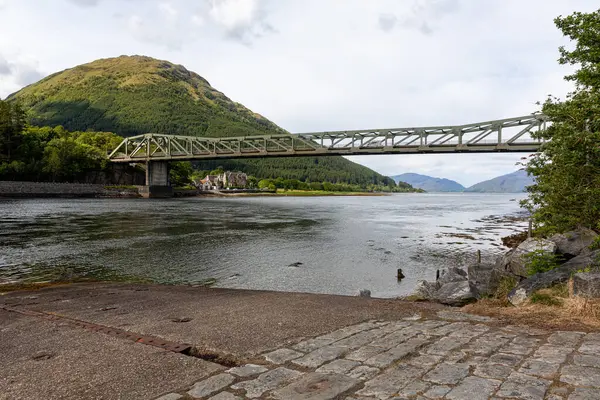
<point x="506" y="135"/>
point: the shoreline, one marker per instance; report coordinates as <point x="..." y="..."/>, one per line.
<point x="292" y="194"/>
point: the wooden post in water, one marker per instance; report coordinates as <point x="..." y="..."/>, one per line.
<point x="478" y="256"/>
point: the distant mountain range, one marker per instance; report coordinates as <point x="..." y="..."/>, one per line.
<point x="515" y="182"/>
<point x="429" y="183"/>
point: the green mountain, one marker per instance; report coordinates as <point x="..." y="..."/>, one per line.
<point x="515" y="182"/>
<point x="429" y="183"/>
<point x="131" y="95"/>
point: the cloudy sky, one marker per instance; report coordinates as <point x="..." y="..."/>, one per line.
<point x="315" y="65"/>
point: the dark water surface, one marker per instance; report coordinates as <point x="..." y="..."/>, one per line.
<point x="309" y="244"/>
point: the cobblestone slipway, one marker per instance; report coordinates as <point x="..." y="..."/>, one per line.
<point x="457" y="356"/>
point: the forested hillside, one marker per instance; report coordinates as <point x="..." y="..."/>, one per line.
<point x="132" y="95"/>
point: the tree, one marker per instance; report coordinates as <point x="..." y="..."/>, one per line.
<point x="180" y="173"/>
<point x="566" y="193"/>
<point x="12" y="123"/>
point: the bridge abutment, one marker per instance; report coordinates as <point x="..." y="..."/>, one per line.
<point x="158" y="184"/>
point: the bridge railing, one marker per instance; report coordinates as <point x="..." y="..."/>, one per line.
<point x="511" y="134"/>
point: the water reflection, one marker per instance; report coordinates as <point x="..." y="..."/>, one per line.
<point x="312" y="244"/>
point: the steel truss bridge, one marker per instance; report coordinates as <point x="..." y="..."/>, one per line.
<point x="504" y="135"/>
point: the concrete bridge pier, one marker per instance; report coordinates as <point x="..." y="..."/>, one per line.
<point x="158" y="184"/>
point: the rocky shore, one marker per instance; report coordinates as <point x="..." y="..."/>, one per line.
<point x="531" y="265"/>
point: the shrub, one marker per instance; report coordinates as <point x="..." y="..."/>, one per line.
<point x="545" y="299"/>
<point x="505" y="285"/>
<point x="540" y="261"/>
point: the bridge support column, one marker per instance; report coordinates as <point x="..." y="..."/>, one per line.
<point x="158" y="184"/>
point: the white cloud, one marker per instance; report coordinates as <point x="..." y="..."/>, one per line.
<point x="18" y="73"/>
<point x="243" y="20"/>
<point x="85" y="3"/>
<point x="169" y="10"/>
<point x="422" y="15"/>
<point x="333" y="64"/>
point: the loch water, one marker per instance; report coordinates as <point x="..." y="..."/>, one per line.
<point x="334" y="245"/>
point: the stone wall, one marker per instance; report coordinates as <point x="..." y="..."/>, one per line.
<point x="51" y="189"/>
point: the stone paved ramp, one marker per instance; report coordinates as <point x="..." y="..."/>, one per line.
<point x="455" y="356"/>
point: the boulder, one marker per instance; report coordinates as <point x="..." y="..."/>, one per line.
<point x="573" y="243"/>
<point x="364" y="293"/>
<point x="456" y="293"/>
<point x="547" y="279"/>
<point x="452" y="274"/>
<point x="480" y="276"/>
<point x="426" y="290"/>
<point x="514" y="260"/>
<point x="587" y="285"/>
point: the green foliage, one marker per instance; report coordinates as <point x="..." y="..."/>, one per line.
<point x="180" y="173"/>
<point x="539" y="261"/>
<point x="545" y="299"/>
<point x="51" y="154"/>
<point x="12" y="123"/>
<point x="137" y="95"/>
<point x="306" y="169"/>
<point x="295" y="184"/>
<point x="567" y="170"/>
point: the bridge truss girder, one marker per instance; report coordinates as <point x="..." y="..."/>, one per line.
<point x="507" y="135"/>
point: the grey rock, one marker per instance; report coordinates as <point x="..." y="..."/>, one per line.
<point x="425" y="360"/>
<point x="452" y="274"/>
<point x="390" y="382"/>
<point x="363" y="372"/>
<point x="498" y="276"/>
<point x="337" y="367"/>
<point x="539" y="368"/>
<point x="413" y="389"/>
<point x="565" y="338"/>
<point x="396" y="353"/>
<point x="268" y="381"/>
<point x="281" y="356"/>
<point x="364" y="293"/>
<point x="225" y="396"/>
<point x="320" y="356"/>
<point x="590" y="348"/>
<point x="170" y="396"/>
<point x="559" y="275"/>
<point x="210" y="386"/>
<point x="446" y="345"/>
<point x="514" y="260"/>
<point x="474" y="388"/>
<point x="360" y="339"/>
<point x="364" y="353"/>
<point x="587" y="360"/>
<point x="437" y="392"/>
<point x="524" y="387"/>
<point x="553" y="354"/>
<point x="580" y="376"/>
<point x="426" y="290"/>
<point x="313" y="344"/>
<point x="573" y="243"/>
<point x="480" y="276"/>
<point x="247" y="370"/>
<point x="585" y="394"/>
<point x="506" y="359"/>
<point x="456" y="293"/>
<point x="447" y="374"/>
<point x="315" y="386"/>
<point x="493" y="371"/>
<point x="586" y="285"/>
